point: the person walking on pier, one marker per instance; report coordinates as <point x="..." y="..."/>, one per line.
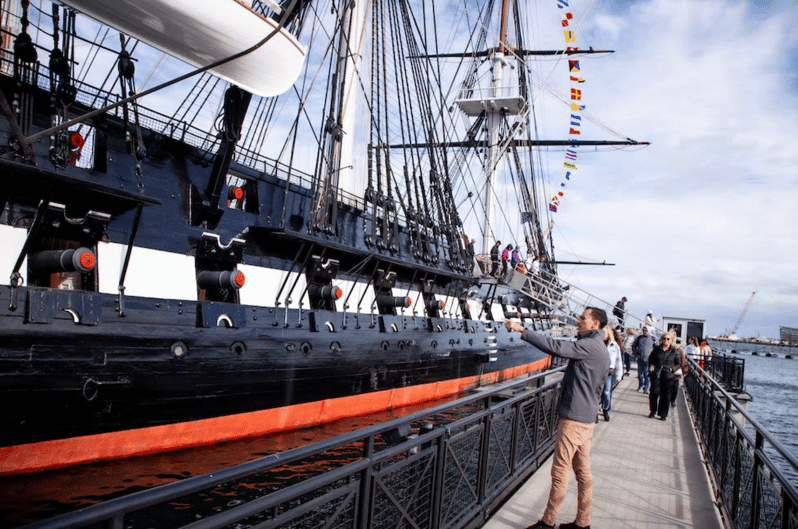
<point x="628" y="342"/>
<point x="704" y="353"/>
<point x="663" y="364"/>
<point x="641" y="349"/>
<point x="588" y="364"/>
<point x="682" y="371"/>
<point x="611" y="338"/>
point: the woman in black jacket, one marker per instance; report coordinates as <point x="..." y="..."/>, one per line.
<point x="662" y="364"/>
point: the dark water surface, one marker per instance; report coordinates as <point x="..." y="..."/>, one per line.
<point x="28" y="498"/>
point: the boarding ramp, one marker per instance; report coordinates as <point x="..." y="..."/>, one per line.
<point x="561" y="296"/>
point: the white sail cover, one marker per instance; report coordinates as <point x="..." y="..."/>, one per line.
<point x="201" y="32"/>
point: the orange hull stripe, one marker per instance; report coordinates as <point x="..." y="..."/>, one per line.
<point x="46" y="455"/>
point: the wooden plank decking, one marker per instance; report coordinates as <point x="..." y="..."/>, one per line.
<point x="647" y="473"/>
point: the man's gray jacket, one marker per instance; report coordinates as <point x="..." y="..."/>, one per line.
<point x="643" y="345"/>
<point x="588" y="365"/>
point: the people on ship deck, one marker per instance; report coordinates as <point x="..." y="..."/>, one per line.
<point x="494" y="259"/>
<point x="662" y="366"/>
<point x="619" y="311"/>
<point x="506" y="260"/>
<point x="650" y="321"/>
<point x="588" y="364"/>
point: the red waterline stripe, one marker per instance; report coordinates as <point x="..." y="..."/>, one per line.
<point x="47" y="455"/>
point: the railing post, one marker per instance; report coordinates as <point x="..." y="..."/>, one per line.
<point x="483" y="458"/>
<point x="787" y="508"/>
<point x="364" y="514"/>
<point x="756" y="498"/>
<point x="738" y="463"/>
<point x="514" y="437"/>
<point x="440" y="471"/>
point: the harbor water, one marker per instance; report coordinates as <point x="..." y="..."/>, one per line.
<point x="772" y="382"/>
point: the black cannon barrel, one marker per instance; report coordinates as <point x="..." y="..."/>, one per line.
<point x="79" y="260"/>
<point x="222" y="279"/>
<point x="394" y="301"/>
<point x="327" y="292"/>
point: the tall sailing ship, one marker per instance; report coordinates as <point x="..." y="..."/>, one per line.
<point x="221" y="218"/>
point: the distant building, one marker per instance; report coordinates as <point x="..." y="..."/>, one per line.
<point x="788" y="335"/>
<point x="684" y="328"/>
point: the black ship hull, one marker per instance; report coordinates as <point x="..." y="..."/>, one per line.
<point x="82" y="370"/>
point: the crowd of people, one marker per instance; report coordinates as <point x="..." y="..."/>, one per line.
<point x="600" y="356"/>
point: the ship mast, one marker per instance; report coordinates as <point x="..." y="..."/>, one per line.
<point x="496" y="104"/>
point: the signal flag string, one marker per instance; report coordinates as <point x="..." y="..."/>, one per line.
<point x="574" y="72"/>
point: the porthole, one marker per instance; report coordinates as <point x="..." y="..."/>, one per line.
<point x="239" y="348"/>
<point x="179" y="349"/>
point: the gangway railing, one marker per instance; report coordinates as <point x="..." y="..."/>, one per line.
<point x="560" y="295"/>
<point x="752" y="473"/>
<point x="446" y="467"/>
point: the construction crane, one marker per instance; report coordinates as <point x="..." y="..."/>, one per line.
<point x="742" y="314"/>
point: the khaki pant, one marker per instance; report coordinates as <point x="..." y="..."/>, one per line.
<point x="572" y="448"/>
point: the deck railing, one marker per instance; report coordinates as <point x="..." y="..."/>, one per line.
<point x="728" y="371"/>
<point x="404" y="473"/>
<point x="753" y="474"/>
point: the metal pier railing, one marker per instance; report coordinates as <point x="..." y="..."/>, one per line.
<point x="753" y="474"/>
<point x="446" y="467"/>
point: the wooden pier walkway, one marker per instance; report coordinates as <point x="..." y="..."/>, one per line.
<point x="647" y="473"/>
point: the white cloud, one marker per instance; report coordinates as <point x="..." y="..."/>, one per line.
<point x="706" y="214"/>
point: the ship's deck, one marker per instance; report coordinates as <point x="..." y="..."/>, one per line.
<point x="646" y="473"/>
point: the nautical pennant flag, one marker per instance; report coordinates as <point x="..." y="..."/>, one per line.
<point x="574" y="131"/>
<point x="577" y="108"/>
<point x="576" y="95"/>
<point x="573" y="66"/>
<point x="575" y="122"/>
<point x="577" y="79"/>
<point x="571" y="154"/>
<point x="569" y="165"/>
<point x="553" y="208"/>
<point x="562" y="3"/>
<point x="568" y="175"/>
<point x="569" y="35"/>
<point x="566" y="18"/>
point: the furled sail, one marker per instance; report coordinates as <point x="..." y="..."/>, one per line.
<point x="202" y="32"/>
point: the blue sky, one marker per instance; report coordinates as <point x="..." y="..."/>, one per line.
<point x="706" y="214"/>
